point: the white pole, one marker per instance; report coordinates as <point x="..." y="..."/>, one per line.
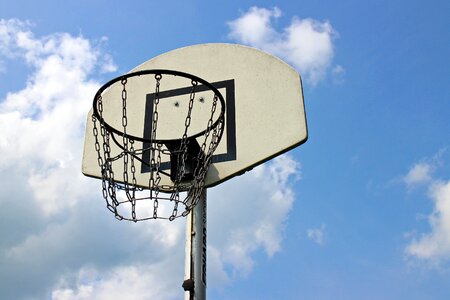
<point x="195" y="263"/>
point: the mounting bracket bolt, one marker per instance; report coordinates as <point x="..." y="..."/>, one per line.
<point x="188" y="285"/>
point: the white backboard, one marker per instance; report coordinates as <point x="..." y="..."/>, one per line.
<point x="264" y="116"/>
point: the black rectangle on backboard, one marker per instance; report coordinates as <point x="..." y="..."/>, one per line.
<point x="230" y="121"/>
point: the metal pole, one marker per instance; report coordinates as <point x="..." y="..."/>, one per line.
<point x="195" y="264"/>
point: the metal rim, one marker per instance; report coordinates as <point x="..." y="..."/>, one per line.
<point x="156" y="72"/>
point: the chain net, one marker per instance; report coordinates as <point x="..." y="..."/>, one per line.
<point x="171" y="192"/>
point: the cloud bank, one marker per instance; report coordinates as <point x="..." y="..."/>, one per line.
<point x="307" y="44"/>
<point x="250" y="215"/>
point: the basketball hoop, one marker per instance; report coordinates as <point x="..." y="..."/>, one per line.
<point x="176" y="164"/>
<point x="153" y="136"/>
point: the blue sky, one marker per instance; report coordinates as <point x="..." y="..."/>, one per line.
<point x="366" y="211"/>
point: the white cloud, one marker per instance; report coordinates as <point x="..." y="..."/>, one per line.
<point x="338" y="73"/>
<point x="8" y="35"/>
<point x="307" y="44"/>
<point x="42" y="125"/>
<point x="317" y="235"/>
<point x="45" y="198"/>
<point x="418" y="174"/>
<point x="435" y="245"/>
<point x="249" y="213"/>
<point x="255" y="27"/>
<point x="125" y="282"/>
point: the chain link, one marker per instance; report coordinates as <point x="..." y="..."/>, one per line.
<point x="124" y="95"/>
<point x="155" y="177"/>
